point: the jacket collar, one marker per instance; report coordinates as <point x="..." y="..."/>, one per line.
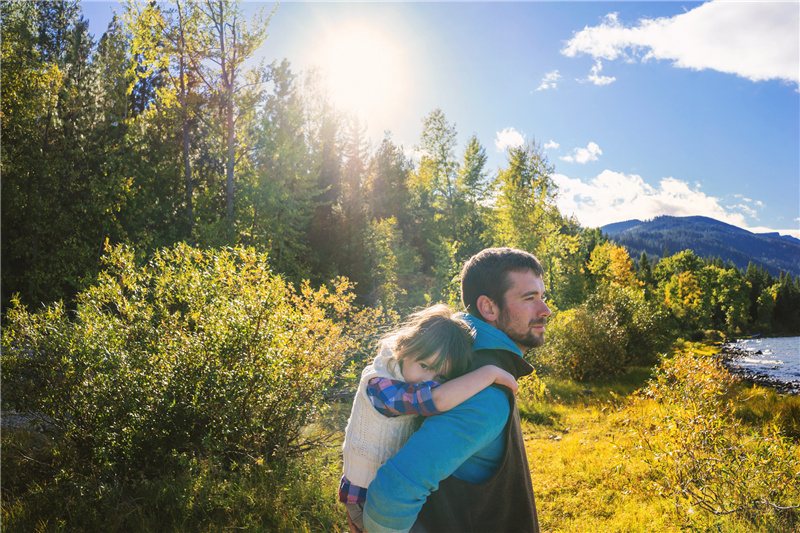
<point x="488" y="337"/>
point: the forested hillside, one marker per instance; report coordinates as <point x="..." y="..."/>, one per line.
<point x="708" y="238"/>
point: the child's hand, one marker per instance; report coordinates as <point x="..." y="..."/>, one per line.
<point x="504" y="378"/>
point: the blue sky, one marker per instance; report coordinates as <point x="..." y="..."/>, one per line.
<point x="644" y="108"/>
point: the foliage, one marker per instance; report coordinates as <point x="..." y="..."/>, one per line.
<point x="63" y="120"/>
<point x="291" y="495"/>
<point x="526" y="217"/>
<point x="614" y="328"/>
<point x="532" y="388"/>
<point x="195" y="354"/>
<point x="704" y="458"/>
<point x="475" y="189"/>
<point x="611" y="265"/>
<point x="526" y="192"/>
<point x="583" y="344"/>
<point x="140" y="137"/>
<point x="390" y="264"/>
<point x="280" y="196"/>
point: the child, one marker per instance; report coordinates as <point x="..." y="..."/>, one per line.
<point x="416" y="373"/>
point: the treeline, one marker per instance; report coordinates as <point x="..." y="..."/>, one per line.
<point x="167" y="131"/>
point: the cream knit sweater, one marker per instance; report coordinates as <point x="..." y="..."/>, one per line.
<point x="372" y="438"/>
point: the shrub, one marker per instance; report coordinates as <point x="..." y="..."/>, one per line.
<point x="195" y="354"/>
<point x="583" y="345"/>
<point x="615" y="328"/>
<point x="645" y="325"/>
<point x="704" y="458"/>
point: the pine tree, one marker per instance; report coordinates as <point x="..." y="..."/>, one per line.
<point x="474" y="190"/>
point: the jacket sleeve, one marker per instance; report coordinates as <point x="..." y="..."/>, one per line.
<point x="433" y="453"/>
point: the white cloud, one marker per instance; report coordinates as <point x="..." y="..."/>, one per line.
<point x="550" y="81"/>
<point x="761" y="229"/>
<point x="754" y="40"/>
<point x="509" y="137"/>
<point x="552" y="145"/>
<point x="757" y="203"/>
<point x="595" y="76"/>
<point x="746" y="210"/>
<point x="584" y="155"/>
<point x="616" y="197"/>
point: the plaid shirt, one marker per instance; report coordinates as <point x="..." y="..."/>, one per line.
<point x="391" y="398"/>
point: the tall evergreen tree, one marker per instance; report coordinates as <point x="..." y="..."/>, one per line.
<point x="433" y="187"/>
<point x="325" y="136"/>
<point x="758" y="279"/>
<point x="526" y="191"/>
<point x="644" y="273"/>
<point x="387" y="185"/>
<point x="352" y="206"/>
<point x="474" y="190"/>
<point x="63" y="121"/>
<point x="786" y="314"/>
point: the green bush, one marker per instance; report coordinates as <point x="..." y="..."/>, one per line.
<point x="645" y="325"/>
<point x="701" y="455"/>
<point x="195" y="354"/>
<point x="615" y="328"/>
<point x="583" y="345"/>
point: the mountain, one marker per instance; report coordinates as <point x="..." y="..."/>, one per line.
<point x="707" y="238"/>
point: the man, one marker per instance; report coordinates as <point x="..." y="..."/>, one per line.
<point x="468" y="465"/>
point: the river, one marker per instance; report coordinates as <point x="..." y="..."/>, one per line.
<point x="770" y="359"/>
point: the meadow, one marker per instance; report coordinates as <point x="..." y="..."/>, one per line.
<point x="592" y="467"/>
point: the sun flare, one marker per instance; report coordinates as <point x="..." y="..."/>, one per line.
<point x="365" y="71"/>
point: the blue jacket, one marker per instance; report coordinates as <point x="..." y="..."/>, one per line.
<point x="466" y="442"/>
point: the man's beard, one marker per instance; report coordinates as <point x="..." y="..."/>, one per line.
<point x="521" y="336"/>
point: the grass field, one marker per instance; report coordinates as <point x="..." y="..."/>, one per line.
<point x="587" y="470"/>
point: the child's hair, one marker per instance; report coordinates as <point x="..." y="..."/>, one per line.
<point x="433" y="331"/>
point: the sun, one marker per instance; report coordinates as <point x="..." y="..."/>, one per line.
<point x="364" y="70"/>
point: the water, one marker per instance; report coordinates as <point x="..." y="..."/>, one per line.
<point x="779" y="358"/>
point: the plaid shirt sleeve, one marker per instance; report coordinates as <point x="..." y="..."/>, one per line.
<point x="395" y="398"/>
<point x="351" y="493"/>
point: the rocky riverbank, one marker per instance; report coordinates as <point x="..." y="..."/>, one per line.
<point x="730" y="354"/>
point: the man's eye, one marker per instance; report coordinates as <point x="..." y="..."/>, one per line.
<point x="441" y="379"/>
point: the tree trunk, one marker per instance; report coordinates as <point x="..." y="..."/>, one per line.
<point x="187" y="166"/>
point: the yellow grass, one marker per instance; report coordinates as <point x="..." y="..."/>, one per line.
<point x="584" y="479"/>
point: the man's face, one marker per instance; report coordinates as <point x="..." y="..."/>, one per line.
<point x="523" y="313"/>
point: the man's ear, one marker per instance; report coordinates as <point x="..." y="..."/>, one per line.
<point x="488" y="309"/>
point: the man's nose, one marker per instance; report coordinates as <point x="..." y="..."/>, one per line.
<point x="544" y="311"/>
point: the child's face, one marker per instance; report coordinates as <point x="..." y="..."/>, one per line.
<point x="422" y="370"/>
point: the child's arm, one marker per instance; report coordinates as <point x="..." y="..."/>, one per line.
<point x="452" y="393"/>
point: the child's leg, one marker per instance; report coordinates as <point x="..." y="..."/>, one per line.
<point x="356" y="513"/>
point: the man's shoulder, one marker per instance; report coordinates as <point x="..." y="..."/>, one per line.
<point x="491" y="406"/>
<point x="508" y="361"/>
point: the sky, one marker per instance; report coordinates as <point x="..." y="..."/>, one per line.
<point x="643" y="108"/>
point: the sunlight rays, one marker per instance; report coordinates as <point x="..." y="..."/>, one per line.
<point x="365" y="71"/>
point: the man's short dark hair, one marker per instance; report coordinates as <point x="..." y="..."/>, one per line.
<point x="486" y="273"/>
